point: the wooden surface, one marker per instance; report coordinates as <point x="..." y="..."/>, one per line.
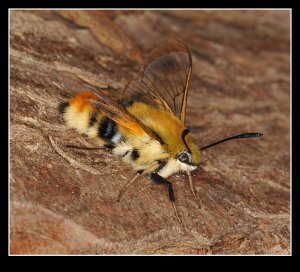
<point x="62" y="200"/>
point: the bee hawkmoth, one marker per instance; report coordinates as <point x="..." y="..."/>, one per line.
<point x="145" y="126"/>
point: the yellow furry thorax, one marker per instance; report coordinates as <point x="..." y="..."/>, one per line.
<point x="167" y="126"/>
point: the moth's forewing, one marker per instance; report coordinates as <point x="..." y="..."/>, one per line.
<point x="164" y="78"/>
<point x="120" y="115"/>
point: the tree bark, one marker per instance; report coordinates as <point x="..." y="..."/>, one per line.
<point x="62" y="200"/>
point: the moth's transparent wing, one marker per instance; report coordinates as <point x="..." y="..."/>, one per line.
<point x="118" y="114"/>
<point x="107" y="103"/>
<point x="164" y="79"/>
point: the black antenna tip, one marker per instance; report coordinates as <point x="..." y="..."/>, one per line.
<point x="239" y="136"/>
<point x="250" y="135"/>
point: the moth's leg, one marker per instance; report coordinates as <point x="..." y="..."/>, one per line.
<point x="192" y="189"/>
<point x="160" y="180"/>
<point x="126" y="186"/>
<point x="140" y="173"/>
<point x="156" y="178"/>
<point x="86" y="148"/>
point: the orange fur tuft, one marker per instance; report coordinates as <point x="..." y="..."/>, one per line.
<point x="80" y="103"/>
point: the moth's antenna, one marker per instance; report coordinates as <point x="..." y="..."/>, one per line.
<point x="184" y="133"/>
<point x="240" y="136"/>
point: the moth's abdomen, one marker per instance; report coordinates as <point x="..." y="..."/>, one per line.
<point x="81" y="115"/>
<point x="143" y="153"/>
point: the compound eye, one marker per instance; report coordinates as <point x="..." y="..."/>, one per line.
<point x="184" y="157"/>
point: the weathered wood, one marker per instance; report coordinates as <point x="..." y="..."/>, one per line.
<point x="63" y="200"/>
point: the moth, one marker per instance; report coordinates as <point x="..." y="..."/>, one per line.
<point x="145" y="126"/>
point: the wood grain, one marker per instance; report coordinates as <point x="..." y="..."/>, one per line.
<point x="64" y="204"/>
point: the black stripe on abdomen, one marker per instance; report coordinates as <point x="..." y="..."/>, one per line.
<point x="62" y="107"/>
<point x="135" y="155"/>
<point x="107" y="129"/>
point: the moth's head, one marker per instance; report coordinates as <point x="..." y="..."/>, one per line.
<point x="189" y="158"/>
